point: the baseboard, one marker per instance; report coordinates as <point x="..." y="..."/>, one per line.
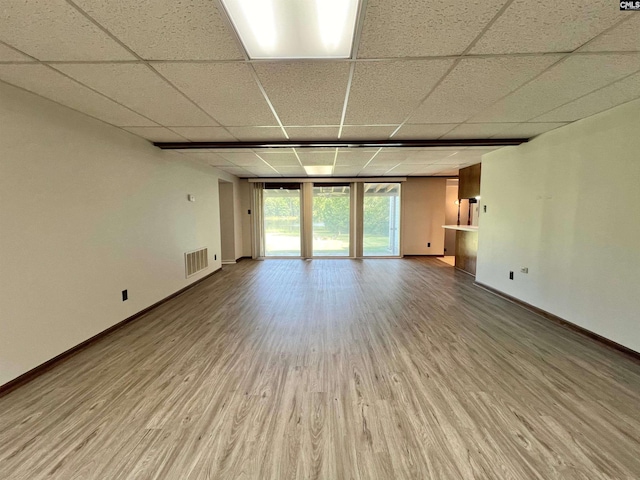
<point x="49" y="364"/>
<point x="467" y="273"/>
<point x="229" y="262"/>
<point x="565" y="323"/>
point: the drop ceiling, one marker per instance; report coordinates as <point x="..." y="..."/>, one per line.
<point x="431" y="69"/>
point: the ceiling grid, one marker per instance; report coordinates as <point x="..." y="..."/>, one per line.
<point x="418" y="70"/>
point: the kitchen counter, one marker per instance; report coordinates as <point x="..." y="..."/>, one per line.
<point x="464" y="228"/>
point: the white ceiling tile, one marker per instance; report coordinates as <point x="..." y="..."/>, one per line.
<point x="624" y="37"/>
<point x="54" y="30"/>
<point x="305" y="93"/>
<point x="141" y="89"/>
<point x="166" y="29"/>
<point x="447" y="173"/>
<point x="528" y="130"/>
<point x="228" y="150"/>
<point x="373" y="171"/>
<point x="389" y="157"/>
<point x="279" y="158"/>
<point x="312" y="158"/>
<point x="386" y="92"/>
<point x="483" y="150"/>
<point x="371" y="132"/>
<point x="403" y="169"/>
<point x="427" y="156"/>
<point x="547" y="26"/>
<point x="415" y="28"/>
<point x="346" y="171"/>
<point x="430" y="131"/>
<point x="325" y="132"/>
<point x="477" y="130"/>
<point x="257" y="134"/>
<point x="227" y="91"/>
<point x="476" y="83"/>
<point x="8" y="54"/>
<point x="596" y="102"/>
<point x="564" y="82"/>
<point x="209" y="158"/>
<point x="237" y="171"/>
<point x="263" y="171"/>
<point x="292" y="171"/>
<point x="55" y="86"/>
<point x="156" y="134"/>
<point x="354" y="157"/>
<point x="459" y="158"/>
<point x="433" y="170"/>
<point x="204" y="134"/>
<point x="243" y="159"/>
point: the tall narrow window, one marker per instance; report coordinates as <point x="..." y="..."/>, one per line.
<point x="381" y="220"/>
<point x="281" y="205"/>
<point x="331" y="220"/>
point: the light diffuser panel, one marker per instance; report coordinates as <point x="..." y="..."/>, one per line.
<point x="288" y="29"/>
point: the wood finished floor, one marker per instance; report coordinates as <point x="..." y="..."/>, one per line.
<point x="333" y="369"/>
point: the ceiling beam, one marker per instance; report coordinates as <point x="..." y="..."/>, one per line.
<point x="466" y="142"/>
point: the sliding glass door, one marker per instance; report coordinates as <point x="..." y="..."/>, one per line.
<point x="315" y="220"/>
<point x="281" y="205"/>
<point x="331" y="220"/>
<point x="381" y="220"/>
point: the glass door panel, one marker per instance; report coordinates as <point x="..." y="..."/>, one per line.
<point x="331" y="220"/>
<point x="381" y="220"/>
<point x="281" y="205"/>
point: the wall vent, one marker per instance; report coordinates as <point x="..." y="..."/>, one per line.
<point x="196" y="261"/>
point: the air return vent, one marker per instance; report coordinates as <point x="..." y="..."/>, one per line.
<point x="196" y="261"/>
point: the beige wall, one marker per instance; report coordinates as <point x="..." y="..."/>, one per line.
<point x="423" y="214"/>
<point x="86" y="211"/>
<point x="246" y="196"/>
<point x="567" y="206"/>
<point x="227" y="222"/>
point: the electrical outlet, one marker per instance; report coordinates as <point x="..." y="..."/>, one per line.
<point x="510" y="275"/>
<point x="428" y="244"/>
<point x="249" y="212"/>
<point x="524" y="270"/>
<point x="215" y="257"/>
<point x="125" y="295"/>
<point x="484" y="207"/>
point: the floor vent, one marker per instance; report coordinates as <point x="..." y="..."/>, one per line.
<point x="196" y="261"/>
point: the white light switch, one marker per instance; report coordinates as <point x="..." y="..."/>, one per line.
<point x="191" y="198"/>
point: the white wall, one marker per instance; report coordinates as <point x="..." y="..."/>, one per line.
<point x="567" y="206"/>
<point x="87" y="210"/>
<point x="423" y="214"/>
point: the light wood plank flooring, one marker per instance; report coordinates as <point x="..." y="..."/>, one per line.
<point x="333" y="369"/>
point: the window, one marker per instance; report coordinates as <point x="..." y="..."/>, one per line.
<point x="281" y="205"/>
<point x="381" y="219"/>
<point x="315" y="220"/>
<point x="331" y="220"/>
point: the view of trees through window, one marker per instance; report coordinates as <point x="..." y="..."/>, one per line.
<point x="331" y="220"/>
<point x="281" y="222"/>
<point x="331" y="217"/>
<point x="381" y="223"/>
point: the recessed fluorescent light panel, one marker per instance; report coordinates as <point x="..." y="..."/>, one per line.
<point x="319" y="170"/>
<point x="289" y="29"/>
